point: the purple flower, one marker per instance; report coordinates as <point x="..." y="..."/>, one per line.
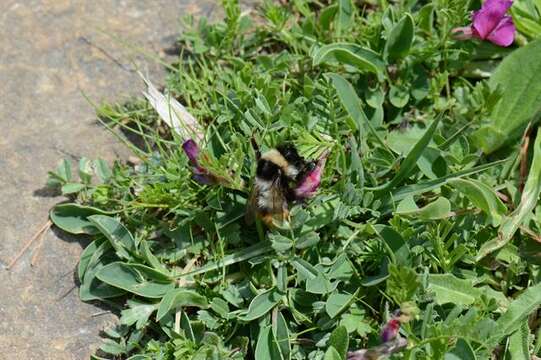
<point x="390" y="330"/>
<point x="201" y="175"/>
<point x="490" y="23"/>
<point x="379" y="352"/>
<point x="192" y="151"/>
<point x="309" y="184"/>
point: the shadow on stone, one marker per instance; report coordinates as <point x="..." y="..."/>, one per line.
<point x="47" y="191"/>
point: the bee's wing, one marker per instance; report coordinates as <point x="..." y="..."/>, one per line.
<point x="251" y="206"/>
<point x="271" y="201"/>
<point x="278" y="202"/>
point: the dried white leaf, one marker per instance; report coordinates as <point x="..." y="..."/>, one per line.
<point x="173" y="113"/>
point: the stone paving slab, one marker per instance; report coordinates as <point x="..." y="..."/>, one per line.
<point x="52" y="51"/>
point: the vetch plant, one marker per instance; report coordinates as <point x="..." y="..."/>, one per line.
<point x="423" y="196"/>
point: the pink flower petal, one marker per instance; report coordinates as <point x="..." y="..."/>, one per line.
<point x="489" y="16"/>
<point x="308" y="186"/>
<point x="504" y="33"/>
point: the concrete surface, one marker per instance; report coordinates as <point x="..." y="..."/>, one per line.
<point x="50" y="52"/>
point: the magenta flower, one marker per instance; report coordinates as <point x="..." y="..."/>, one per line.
<point x="490" y="23"/>
<point x="390" y="330"/>
<point x="382" y="351"/>
<point x="201" y="175"/>
<point x="192" y="151"/>
<point x="308" y="185"/>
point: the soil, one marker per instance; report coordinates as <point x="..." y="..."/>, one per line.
<point x="53" y="52"/>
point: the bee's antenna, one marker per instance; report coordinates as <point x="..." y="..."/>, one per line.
<point x="256" y="148"/>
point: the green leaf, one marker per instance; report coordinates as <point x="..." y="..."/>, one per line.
<point x="102" y="170"/>
<point x="112" y="347"/>
<point x="337" y="303"/>
<point x="151" y="259"/>
<point x="236" y="257"/>
<point x="72" y="218"/>
<point x="305" y="269"/>
<point x="261" y="304"/>
<point x="307" y="240"/>
<point x="410" y="161"/>
<point x="362" y="59"/>
<point x="351" y="102"/>
<point x="519" y="77"/>
<point x="400" y="39"/>
<point x="395" y="243"/>
<point x="344" y="17"/>
<point x="438" y="209"/>
<point x="121" y="239"/>
<point x="91" y="288"/>
<point x="61" y="175"/>
<point x="332" y="354"/>
<point x="72" y="188"/>
<point x="339" y="341"/>
<point x="482" y="197"/>
<point x="461" y="351"/>
<point x="281" y="334"/>
<point x="528" y="201"/>
<point x="176" y="298"/>
<point x="402" y="283"/>
<point x="450" y="289"/>
<point x="419" y="188"/>
<point x="137" y="313"/>
<point x="519" y="343"/>
<point x="266" y="347"/>
<point x="138" y="279"/>
<point x="517" y="312"/>
<point x="85" y="170"/>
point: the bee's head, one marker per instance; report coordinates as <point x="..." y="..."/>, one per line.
<point x="289" y="153"/>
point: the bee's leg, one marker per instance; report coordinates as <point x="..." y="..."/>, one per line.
<point x="256" y="148"/>
<point x="268" y="219"/>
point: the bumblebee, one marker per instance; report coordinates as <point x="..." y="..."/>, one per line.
<point x="276" y="170"/>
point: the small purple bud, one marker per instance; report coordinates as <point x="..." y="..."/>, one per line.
<point x="203" y="179"/>
<point x="192" y="151"/>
